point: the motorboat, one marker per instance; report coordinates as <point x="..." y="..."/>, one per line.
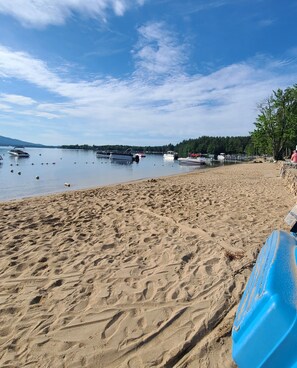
<point x="18" y="153"/>
<point x="123" y="156"/>
<point x="192" y="161"/>
<point x="221" y="157"/>
<point x="170" y="155"/>
<point x="102" y="154"/>
<point x="126" y="156"/>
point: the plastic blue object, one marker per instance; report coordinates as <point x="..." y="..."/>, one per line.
<point x="264" y="332"/>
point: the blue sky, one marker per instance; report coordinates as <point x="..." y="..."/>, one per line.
<point x="141" y="72"/>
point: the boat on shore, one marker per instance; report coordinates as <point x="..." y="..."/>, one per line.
<point x="170" y="155"/>
<point x="16" y="152"/>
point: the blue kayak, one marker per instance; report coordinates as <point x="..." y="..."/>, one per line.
<point x="264" y="332"/>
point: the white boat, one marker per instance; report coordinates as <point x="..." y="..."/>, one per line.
<point x="192" y="161"/>
<point x="18" y="153"/>
<point x="170" y="155"/>
<point x="221" y="157"/>
<point x="102" y="154"/>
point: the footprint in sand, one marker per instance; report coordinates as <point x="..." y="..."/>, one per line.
<point x="57" y="283"/>
<point x="36" y="300"/>
<point x="149" y="290"/>
<point x="108" y="246"/>
<point x="135" y="362"/>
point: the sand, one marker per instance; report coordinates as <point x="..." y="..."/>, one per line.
<point x="146" y="274"/>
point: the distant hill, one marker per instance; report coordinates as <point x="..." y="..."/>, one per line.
<point x="5" y="141"/>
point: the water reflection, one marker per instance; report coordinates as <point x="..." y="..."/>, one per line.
<point x="81" y="169"/>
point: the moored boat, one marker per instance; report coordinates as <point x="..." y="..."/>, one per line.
<point x="18" y="153"/>
<point x="126" y="156"/>
<point x="170" y="155"/>
<point x="102" y="154"/>
<point x="192" y="161"/>
<point x="121" y="156"/>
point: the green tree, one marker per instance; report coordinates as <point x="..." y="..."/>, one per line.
<point x="276" y="125"/>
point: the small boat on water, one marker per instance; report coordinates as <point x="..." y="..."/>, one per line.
<point x="18" y="153"/>
<point x="170" y="155"/>
<point x="102" y="154"/>
<point x="221" y="157"/>
<point x="140" y="154"/>
<point x="122" y="156"/>
<point x="126" y="156"/>
<point x="192" y="161"/>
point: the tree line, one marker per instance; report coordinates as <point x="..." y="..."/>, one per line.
<point x="205" y="145"/>
<point x="276" y="124"/>
<point x="121" y="148"/>
<point x="215" y="145"/>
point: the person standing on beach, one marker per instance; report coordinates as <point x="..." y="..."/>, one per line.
<point x="294" y="157"/>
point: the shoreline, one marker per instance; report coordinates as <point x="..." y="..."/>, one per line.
<point x="145" y="273"/>
<point x="103" y="186"/>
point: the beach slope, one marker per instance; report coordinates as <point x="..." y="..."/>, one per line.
<point x="146" y="274"/>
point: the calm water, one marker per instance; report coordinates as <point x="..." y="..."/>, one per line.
<point x="81" y="169"/>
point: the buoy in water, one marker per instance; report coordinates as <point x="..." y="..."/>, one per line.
<point x="67" y="184"/>
<point x="37" y="177"/>
<point x="19" y="173"/>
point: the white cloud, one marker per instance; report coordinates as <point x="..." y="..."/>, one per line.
<point x="199" y="6"/>
<point x="178" y="107"/>
<point x="266" y="22"/>
<point x="158" y="51"/>
<point x="41" y="13"/>
<point x="4" y="107"/>
<point x="16" y="99"/>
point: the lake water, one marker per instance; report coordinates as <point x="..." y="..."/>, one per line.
<point x="80" y="168"/>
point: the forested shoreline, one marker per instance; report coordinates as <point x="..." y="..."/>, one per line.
<point x="204" y="145"/>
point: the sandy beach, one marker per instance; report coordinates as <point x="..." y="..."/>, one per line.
<point x="145" y="274"/>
